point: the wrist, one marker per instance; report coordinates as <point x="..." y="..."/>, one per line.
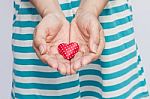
<point x="92" y="11"/>
<point x="47" y="11"/>
<point x="56" y="14"/>
<point x="93" y="7"/>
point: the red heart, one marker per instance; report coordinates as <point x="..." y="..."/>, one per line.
<point x="68" y="51"/>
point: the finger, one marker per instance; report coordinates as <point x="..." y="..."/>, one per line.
<point x="94" y="56"/>
<point x="61" y="66"/>
<point x="39" y="40"/>
<point x="52" y="61"/>
<point x="87" y="59"/>
<point x="101" y="44"/>
<point x="76" y="62"/>
<point x="72" y="70"/>
<point x="68" y="67"/>
<point x="49" y="59"/>
<point x="66" y="63"/>
<point x="94" y="36"/>
<point x="39" y="55"/>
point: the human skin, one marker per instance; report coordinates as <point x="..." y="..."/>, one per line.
<point x="87" y="31"/>
<point x="49" y="33"/>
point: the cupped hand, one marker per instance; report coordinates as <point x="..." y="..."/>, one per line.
<point x="88" y="33"/>
<point x="49" y="33"/>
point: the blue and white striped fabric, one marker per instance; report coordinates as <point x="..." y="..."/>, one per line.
<point x="117" y="74"/>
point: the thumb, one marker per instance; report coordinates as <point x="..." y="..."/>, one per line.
<point x="39" y="40"/>
<point x="94" y="39"/>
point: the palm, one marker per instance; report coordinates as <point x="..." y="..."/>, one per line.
<point x="56" y="31"/>
<point x="86" y="30"/>
<point x="77" y="36"/>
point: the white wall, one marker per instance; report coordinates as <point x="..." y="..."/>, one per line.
<point x="142" y="25"/>
<point x="141" y="15"/>
<point x="5" y="48"/>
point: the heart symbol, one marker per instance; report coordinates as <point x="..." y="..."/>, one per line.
<point x="68" y="51"/>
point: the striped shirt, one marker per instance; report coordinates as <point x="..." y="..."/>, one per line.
<point x="117" y="74"/>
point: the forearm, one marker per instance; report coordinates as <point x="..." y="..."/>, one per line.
<point x="92" y="6"/>
<point x="45" y="7"/>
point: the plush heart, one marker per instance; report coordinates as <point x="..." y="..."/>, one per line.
<point x="68" y="51"/>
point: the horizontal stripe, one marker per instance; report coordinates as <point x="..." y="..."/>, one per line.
<point x="111" y="88"/>
<point x="119" y="48"/>
<point x="118" y="67"/>
<point x="115" y="62"/>
<point x="34" y="93"/>
<point x="116" y="30"/>
<point x="75" y="95"/>
<point x="37" y="74"/>
<point x="121" y="40"/>
<point x="105" y="51"/>
<point x="68" y="13"/>
<point x="104" y="58"/>
<point x="33" y="11"/>
<point x="90" y="88"/>
<point x="29" y="17"/>
<point x="127" y="93"/>
<point x="28" y="30"/>
<point x="118" y="61"/>
<point x="91" y="93"/>
<point x="23" y="37"/>
<point x="88" y="97"/>
<point x="140" y="93"/>
<point x="66" y="6"/>
<point x="108" y="81"/>
<point x="111" y="76"/>
<point x="22" y="43"/>
<point x="144" y="94"/>
<point x="114" y="10"/>
<point x="104" y="25"/>
<point x="54" y="86"/>
<point x="23" y="49"/>
<point x="113" y="31"/>
<point x="37" y="80"/>
<point x="114" y="3"/>
<point x="107" y="58"/>
<point x="111" y="38"/>
<point x="33" y="68"/>
<point x="46" y="68"/>
<point x="104" y="64"/>
<point x="119" y="35"/>
<point x="116" y="16"/>
<point x="26" y="4"/>
<point x="124" y="20"/>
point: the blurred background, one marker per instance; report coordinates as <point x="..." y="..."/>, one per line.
<point x="141" y="11"/>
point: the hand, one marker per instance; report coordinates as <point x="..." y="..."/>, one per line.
<point x="87" y="31"/>
<point x="52" y="30"/>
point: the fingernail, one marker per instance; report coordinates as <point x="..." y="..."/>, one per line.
<point x="42" y="49"/>
<point x="95" y="48"/>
